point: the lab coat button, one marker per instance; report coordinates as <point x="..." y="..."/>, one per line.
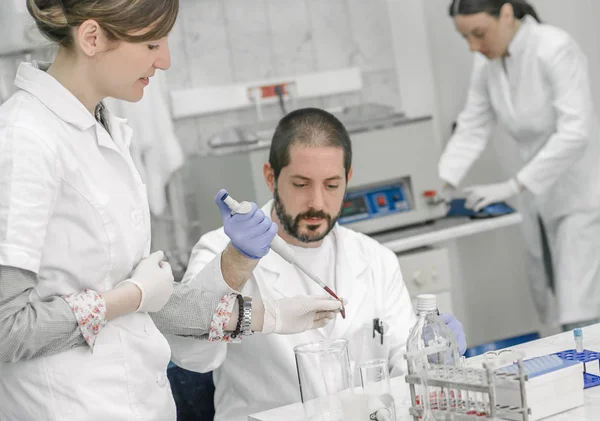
<point x="136" y="218"/>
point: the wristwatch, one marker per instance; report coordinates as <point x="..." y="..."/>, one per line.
<point x="247" y="321"/>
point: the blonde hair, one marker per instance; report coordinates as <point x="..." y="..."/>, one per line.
<point x="125" y="20"/>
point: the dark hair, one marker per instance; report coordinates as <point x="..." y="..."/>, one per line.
<point x="120" y="19"/>
<point x="310" y="127"/>
<point x="492" y="7"/>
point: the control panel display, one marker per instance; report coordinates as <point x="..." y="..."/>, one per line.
<point x="375" y="202"/>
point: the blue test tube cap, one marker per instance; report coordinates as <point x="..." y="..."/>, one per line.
<point x="577" y="333"/>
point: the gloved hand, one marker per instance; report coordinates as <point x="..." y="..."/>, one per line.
<point x="456" y="327"/>
<point x="446" y="192"/>
<point x="154" y="278"/>
<point x="250" y="233"/>
<point x="298" y="314"/>
<point x="478" y="197"/>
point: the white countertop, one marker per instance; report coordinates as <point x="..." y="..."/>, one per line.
<point x="442" y="230"/>
<point x="589" y="412"/>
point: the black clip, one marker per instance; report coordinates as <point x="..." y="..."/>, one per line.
<point x="378" y="327"/>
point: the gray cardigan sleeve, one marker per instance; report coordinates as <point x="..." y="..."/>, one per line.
<point x="189" y="312"/>
<point x="32" y="329"/>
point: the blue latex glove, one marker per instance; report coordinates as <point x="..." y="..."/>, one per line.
<point x="456" y="327"/>
<point x="250" y="233"/>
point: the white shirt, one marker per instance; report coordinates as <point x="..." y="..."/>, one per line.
<point x="320" y="261"/>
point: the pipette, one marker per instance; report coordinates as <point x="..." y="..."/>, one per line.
<point x="279" y="246"/>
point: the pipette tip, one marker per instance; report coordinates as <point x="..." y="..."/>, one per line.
<point x="342" y="310"/>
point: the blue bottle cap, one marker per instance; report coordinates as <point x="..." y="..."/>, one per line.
<point x="577" y="333"/>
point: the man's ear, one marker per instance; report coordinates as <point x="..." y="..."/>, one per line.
<point x="269" y="174"/>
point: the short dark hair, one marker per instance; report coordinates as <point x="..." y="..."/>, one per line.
<point x="492" y="7"/>
<point x="310" y="127"/>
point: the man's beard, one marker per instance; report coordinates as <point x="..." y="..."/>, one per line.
<point x="291" y="225"/>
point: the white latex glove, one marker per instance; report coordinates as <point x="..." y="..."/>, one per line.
<point x="298" y="314"/>
<point x="154" y="278"/>
<point x="478" y="197"/>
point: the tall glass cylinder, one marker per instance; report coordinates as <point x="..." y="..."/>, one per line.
<point x="325" y="378"/>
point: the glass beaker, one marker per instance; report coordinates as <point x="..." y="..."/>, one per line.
<point x="323" y="374"/>
<point x="375" y="381"/>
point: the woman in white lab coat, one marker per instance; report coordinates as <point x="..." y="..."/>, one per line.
<point x="533" y="80"/>
<point x="76" y="282"/>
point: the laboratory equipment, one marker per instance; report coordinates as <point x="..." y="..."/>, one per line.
<point x="395" y="172"/>
<point x="375" y="382"/>
<point x="323" y="374"/>
<point x="280" y="247"/>
<point x="553" y="385"/>
<point x="466" y="393"/>
<point x="392" y="153"/>
<point x="585" y="357"/>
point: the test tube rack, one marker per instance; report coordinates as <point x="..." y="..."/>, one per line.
<point x="454" y="393"/>
<point x="587" y="356"/>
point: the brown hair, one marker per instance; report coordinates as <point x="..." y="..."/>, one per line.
<point x="125" y="20"/>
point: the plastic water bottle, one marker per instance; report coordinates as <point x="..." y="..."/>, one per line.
<point x="430" y="331"/>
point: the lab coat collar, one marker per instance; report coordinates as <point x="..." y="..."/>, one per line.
<point x="32" y="78"/>
<point x="119" y="130"/>
<point x="351" y="265"/>
<point x="519" y="41"/>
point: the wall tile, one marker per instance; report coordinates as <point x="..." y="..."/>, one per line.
<point x="249" y="39"/>
<point x="332" y="36"/>
<point x="291" y="37"/>
<point x="371" y="33"/>
<point x="206" y="42"/>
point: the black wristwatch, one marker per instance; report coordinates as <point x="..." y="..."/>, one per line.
<point x="238" y="327"/>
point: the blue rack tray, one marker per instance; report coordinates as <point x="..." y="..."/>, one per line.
<point x="587" y="356"/>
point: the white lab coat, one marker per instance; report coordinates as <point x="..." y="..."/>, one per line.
<point x="260" y="373"/>
<point x="543" y="99"/>
<point x="73" y="209"/>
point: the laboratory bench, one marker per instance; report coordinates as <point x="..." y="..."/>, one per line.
<point x="590" y="411"/>
<point x="445" y="229"/>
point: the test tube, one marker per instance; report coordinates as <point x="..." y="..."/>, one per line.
<point x="578" y="335"/>
<point x="472" y="396"/>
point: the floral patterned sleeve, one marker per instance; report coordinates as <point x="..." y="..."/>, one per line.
<point x="89" y="309"/>
<point x="221" y="318"/>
